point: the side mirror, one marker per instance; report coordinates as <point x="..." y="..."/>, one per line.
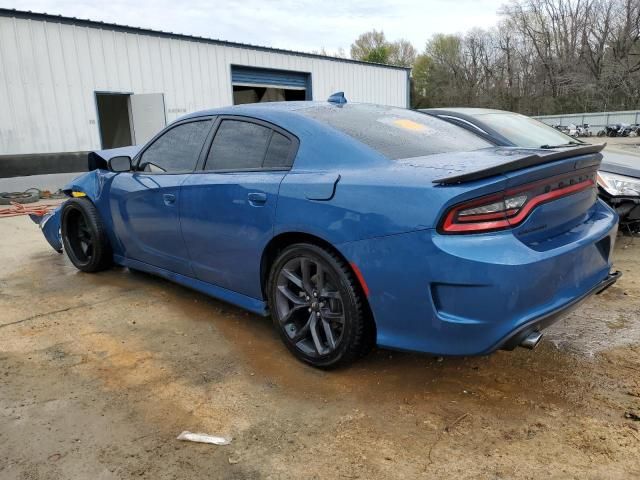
<point x="120" y="164"/>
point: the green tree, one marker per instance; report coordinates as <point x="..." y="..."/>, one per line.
<point x="371" y="47"/>
<point x="421" y="84"/>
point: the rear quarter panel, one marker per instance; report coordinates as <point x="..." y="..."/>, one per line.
<point x="372" y="202"/>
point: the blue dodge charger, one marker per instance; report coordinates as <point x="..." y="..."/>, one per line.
<point x="351" y="225"/>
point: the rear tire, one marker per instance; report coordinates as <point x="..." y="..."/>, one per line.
<point x="316" y="306"/>
<point x="84" y="237"/>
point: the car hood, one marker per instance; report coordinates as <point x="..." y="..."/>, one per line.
<point x="620" y="163"/>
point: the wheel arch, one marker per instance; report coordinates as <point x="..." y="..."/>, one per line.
<point x="101" y="256"/>
<point x="86" y="185"/>
<point x="285" y="239"/>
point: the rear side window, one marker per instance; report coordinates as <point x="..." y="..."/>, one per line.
<point x="395" y="132"/>
<point x="240" y="145"/>
<point x="177" y="150"/>
<point x="278" y="152"/>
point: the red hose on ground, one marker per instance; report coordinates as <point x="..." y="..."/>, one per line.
<point x="18" y="209"/>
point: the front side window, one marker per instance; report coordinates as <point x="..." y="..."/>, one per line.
<point x="240" y="145"/>
<point x="177" y="150"/>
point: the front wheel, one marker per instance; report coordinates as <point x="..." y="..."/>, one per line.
<point x="84" y="236"/>
<point x="316" y="306"/>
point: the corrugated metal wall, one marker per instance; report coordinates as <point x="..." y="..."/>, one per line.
<point x="50" y="71"/>
<point x="595" y="120"/>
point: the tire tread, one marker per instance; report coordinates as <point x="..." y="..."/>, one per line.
<point x="102" y="257"/>
<point x="359" y="342"/>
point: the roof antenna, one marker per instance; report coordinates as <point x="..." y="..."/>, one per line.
<point x="337" y="98"/>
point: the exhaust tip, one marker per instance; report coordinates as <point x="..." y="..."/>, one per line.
<point x="531" y="340"/>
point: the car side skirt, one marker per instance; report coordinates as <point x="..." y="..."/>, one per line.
<point x="253" y="305"/>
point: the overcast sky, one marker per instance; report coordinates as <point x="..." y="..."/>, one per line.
<point x="305" y="25"/>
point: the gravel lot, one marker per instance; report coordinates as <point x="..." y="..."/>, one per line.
<point x="629" y="145"/>
<point x="100" y="373"/>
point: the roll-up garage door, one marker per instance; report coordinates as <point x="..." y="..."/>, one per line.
<point x="251" y="85"/>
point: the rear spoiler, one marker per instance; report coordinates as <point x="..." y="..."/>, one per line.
<point x="522" y="162"/>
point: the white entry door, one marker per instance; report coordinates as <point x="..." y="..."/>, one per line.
<point x="147" y="116"/>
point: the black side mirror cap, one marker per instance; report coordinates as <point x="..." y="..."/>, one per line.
<point x="120" y="164"/>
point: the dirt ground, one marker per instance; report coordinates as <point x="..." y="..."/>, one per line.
<point x="629" y="145"/>
<point x="100" y="373"/>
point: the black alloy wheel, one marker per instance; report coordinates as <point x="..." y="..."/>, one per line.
<point x="84" y="237"/>
<point x="316" y="306"/>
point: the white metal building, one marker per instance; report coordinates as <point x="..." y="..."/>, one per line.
<point x="69" y="85"/>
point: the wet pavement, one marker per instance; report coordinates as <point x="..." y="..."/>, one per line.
<point x="100" y="373"/>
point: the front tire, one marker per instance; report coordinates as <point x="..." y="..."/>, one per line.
<point x="84" y="236"/>
<point x="316" y="306"/>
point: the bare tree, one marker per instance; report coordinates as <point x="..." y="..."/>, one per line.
<point x="402" y="53"/>
<point x="544" y="56"/>
<point x="373" y="47"/>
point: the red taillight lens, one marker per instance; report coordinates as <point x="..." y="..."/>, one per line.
<point x="509" y="208"/>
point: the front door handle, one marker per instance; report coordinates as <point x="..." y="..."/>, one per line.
<point x="169" y="199"/>
<point x="257" y="199"/>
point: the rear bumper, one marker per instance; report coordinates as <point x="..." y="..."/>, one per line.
<point x="516" y="337"/>
<point x="473" y="294"/>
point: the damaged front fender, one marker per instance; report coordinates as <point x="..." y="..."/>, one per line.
<point x="49" y="223"/>
<point x="90" y="184"/>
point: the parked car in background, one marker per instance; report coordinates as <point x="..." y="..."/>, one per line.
<point x="620" y="130"/>
<point x="351" y="225"/>
<point x="618" y="176"/>
<point x="572" y="130"/>
<point x="583" y="130"/>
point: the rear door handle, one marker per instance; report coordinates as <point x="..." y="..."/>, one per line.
<point x="257" y="199"/>
<point x="169" y="199"/>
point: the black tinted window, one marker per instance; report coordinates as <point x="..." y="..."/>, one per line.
<point x="238" y="145"/>
<point x="396" y="132"/>
<point x="278" y="152"/>
<point x="177" y="150"/>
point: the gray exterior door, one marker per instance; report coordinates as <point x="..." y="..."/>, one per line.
<point x="147" y="116"/>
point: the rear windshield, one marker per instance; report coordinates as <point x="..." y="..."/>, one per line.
<point x="524" y="131"/>
<point x="395" y="132"/>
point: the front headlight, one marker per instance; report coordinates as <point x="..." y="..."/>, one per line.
<point x="619" y="185"/>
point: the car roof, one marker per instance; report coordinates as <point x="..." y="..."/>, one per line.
<point x="256" y="108"/>
<point x="283" y="114"/>
<point x="289" y="116"/>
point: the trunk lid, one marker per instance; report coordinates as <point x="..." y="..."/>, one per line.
<point x="558" y="221"/>
<point x="470" y="166"/>
<point x="554" y="192"/>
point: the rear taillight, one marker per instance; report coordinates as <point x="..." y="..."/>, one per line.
<point x="510" y="208"/>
